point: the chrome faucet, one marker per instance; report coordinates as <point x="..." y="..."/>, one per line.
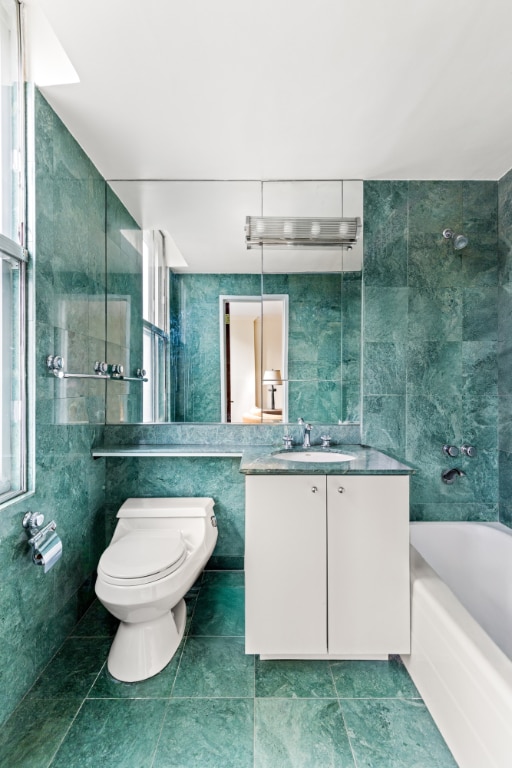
<point x="306" y="436"/>
<point x="450" y="475"/>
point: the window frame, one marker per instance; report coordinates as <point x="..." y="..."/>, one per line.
<point x="14" y="405"/>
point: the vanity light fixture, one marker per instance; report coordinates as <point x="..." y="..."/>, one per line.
<point x="279" y="231"/>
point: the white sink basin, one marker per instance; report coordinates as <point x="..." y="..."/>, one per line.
<point x="314" y="456"/>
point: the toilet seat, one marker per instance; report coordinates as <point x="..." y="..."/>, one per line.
<point x="141" y="557"/>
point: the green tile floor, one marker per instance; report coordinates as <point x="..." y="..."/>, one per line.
<point x="215" y="707"/>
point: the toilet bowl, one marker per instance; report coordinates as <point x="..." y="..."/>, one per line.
<point x="159" y="548"/>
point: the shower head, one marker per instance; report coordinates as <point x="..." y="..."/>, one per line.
<point x="458" y="241"/>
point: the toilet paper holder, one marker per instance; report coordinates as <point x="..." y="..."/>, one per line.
<point x="46" y="545"/>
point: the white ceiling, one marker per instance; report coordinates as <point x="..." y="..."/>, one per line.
<point x="275" y="89"/>
<point x="251" y="89"/>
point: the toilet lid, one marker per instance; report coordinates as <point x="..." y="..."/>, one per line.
<point x="141" y="555"/>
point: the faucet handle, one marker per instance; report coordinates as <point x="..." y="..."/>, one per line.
<point x="326" y="441"/>
<point x="450" y="450"/>
<point x="287" y="440"/>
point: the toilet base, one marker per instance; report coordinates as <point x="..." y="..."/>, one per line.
<point x="142" y="650"/>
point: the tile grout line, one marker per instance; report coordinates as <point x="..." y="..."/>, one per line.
<point x="76" y="714"/>
<point x="342" y="716"/>
<point x="169" y="698"/>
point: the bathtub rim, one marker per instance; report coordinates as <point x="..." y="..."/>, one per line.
<point x="490" y="680"/>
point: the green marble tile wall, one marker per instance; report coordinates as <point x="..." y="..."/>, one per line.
<point x="324" y="342"/>
<point x="505" y="347"/>
<point x="430" y="331"/>
<point x="195" y="341"/>
<point x="37" y="610"/>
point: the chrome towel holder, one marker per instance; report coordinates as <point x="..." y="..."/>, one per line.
<point x="102" y="370"/>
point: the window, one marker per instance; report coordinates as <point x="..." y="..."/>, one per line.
<point x="12" y="260"/>
<point x="155" y="327"/>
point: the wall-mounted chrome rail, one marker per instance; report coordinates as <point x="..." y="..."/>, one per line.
<point x="102" y="370"/>
<point x="55" y="364"/>
<point x="140" y="375"/>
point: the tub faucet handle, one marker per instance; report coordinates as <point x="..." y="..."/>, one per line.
<point x="450" y="450"/>
<point x="468" y="450"/>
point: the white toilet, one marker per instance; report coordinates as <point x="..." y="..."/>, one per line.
<point x="158" y="550"/>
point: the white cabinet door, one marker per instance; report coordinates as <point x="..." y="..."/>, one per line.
<point x="285" y="565"/>
<point x="368" y="564"/>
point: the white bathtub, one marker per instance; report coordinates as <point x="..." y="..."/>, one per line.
<point x="461" y="645"/>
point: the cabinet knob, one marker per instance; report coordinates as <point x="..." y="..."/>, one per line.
<point x="341" y="489"/>
<point x="314" y="489"/>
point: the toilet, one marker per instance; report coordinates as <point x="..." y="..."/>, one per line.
<point x="159" y="548"/>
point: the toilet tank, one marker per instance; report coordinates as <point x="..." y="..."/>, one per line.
<point x="167" y="507"/>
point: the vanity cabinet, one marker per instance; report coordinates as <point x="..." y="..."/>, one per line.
<point x="327" y="566"/>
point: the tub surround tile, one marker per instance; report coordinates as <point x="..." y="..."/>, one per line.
<point x="505" y="480"/>
<point x="384" y="422"/>
<point x="480" y="314"/>
<point x="384" y="365"/>
<point x="373" y="679"/>
<point x="385" y="233"/>
<point x="207" y="733"/>
<point x="505" y="368"/>
<point x="434" y="314"/>
<point x="394" y="733"/>
<point x="113" y="733"/>
<point x="480" y="368"/>
<point x="295" y="679"/>
<point x="434" y="369"/>
<point x="505" y="423"/>
<point x="480" y="206"/>
<point x="385" y="313"/>
<point x="294" y="733"/>
<point x="432" y="262"/>
<point x="434" y="203"/>
<point x="471" y="511"/>
<point x="504" y="313"/>
<point x="480" y="264"/>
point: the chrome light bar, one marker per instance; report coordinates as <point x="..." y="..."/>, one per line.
<point x="301" y="232"/>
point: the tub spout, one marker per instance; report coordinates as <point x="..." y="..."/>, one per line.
<point x="450" y="475"/>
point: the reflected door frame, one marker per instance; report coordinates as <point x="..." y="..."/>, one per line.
<point x="224" y="302"/>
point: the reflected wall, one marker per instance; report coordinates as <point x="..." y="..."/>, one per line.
<point x="323" y="343"/>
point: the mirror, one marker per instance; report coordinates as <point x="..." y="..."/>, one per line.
<point x="205" y="259"/>
<point x="254" y="359"/>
